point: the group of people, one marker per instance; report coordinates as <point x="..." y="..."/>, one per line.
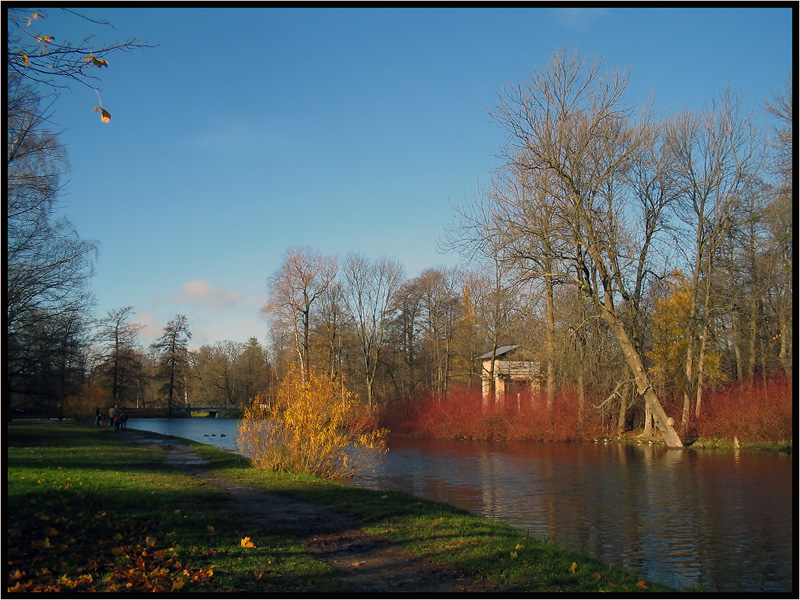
<point x="118" y="421"/>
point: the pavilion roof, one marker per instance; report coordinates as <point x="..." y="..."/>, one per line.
<point x="497" y="353"/>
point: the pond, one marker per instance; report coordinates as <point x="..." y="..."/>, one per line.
<point x="721" y="520"/>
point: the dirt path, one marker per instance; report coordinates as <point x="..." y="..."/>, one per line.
<point x="369" y="564"/>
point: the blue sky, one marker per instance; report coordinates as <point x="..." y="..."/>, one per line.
<point x="248" y="131"/>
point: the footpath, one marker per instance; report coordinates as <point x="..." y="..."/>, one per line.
<point x="368" y="564"/>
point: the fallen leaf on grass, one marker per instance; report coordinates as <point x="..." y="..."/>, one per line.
<point x="642" y="584"/>
<point x="17" y="575"/>
<point x="573" y="568"/>
<point x="246" y="543"/>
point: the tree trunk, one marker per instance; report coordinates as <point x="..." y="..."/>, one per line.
<point x="736" y="335"/>
<point x="551" y="337"/>
<point x="648" y="422"/>
<point x="751" y="367"/>
<point x="700" y="388"/>
<point x="688" y="384"/>
<point x="701" y="373"/>
<point x="643" y="385"/>
<point x="623" y="409"/>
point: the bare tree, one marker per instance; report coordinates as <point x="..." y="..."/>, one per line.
<point x="779" y="218"/>
<point x="781" y="108"/>
<point x="526" y="222"/>
<point x="332" y="327"/>
<point x="571" y="122"/>
<point x="715" y="156"/>
<point x="405" y="334"/>
<point x="497" y="238"/>
<point x="370" y="287"/>
<point x="38" y="58"/>
<point x="48" y="264"/>
<point x="121" y="364"/>
<point x="440" y="309"/>
<point x="303" y="277"/>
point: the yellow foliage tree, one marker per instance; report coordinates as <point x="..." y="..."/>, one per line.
<point x="314" y="425"/>
<point x="670" y="329"/>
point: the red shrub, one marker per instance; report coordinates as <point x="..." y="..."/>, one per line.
<point x="752" y="411"/>
<point x="462" y="414"/>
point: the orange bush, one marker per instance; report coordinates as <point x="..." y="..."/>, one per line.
<point x="313" y="426"/>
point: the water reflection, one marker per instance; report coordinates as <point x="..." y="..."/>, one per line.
<point x="722" y="521"/>
<point x="679" y="517"/>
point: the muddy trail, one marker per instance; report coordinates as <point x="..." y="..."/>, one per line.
<point x="368" y="564"/>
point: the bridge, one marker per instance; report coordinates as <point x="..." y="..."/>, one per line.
<point x="189" y="411"/>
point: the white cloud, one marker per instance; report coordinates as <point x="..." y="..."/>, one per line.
<point x="579" y="18"/>
<point x="200" y="293"/>
<point x="150" y="327"/>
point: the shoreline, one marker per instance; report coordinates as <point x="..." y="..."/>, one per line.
<point x="464" y="550"/>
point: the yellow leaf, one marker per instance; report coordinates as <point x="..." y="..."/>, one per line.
<point x="514" y="555"/>
<point x="246" y="543"/>
<point x="45" y="38"/>
<point x="178" y="584"/>
<point x="97" y="62"/>
<point x="25" y="60"/>
<point x="642" y="584"/>
<point x="573" y="568"/>
<point x="210" y="527"/>
<point x="105" y="117"/>
<point x="33" y="17"/>
<point x="519" y="546"/>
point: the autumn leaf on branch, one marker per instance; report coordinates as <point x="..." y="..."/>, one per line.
<point x="97" y="62"/>
<point x="105" y="116"/>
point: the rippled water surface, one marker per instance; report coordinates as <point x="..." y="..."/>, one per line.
<point x="723" y="521"/>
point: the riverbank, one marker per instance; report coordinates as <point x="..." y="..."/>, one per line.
<point x="93" y="511"/>
<point x="721" y="444"/>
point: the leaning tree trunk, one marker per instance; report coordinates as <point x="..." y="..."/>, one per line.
<point x="643" y="385"/>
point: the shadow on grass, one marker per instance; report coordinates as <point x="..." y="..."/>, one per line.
<point x="104" y="516"/>
<point x="82" y="494"/>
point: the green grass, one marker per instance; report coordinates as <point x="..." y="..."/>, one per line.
<point x="90" y="512"/>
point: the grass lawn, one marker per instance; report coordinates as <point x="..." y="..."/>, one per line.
<point x="89" y="512"/>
